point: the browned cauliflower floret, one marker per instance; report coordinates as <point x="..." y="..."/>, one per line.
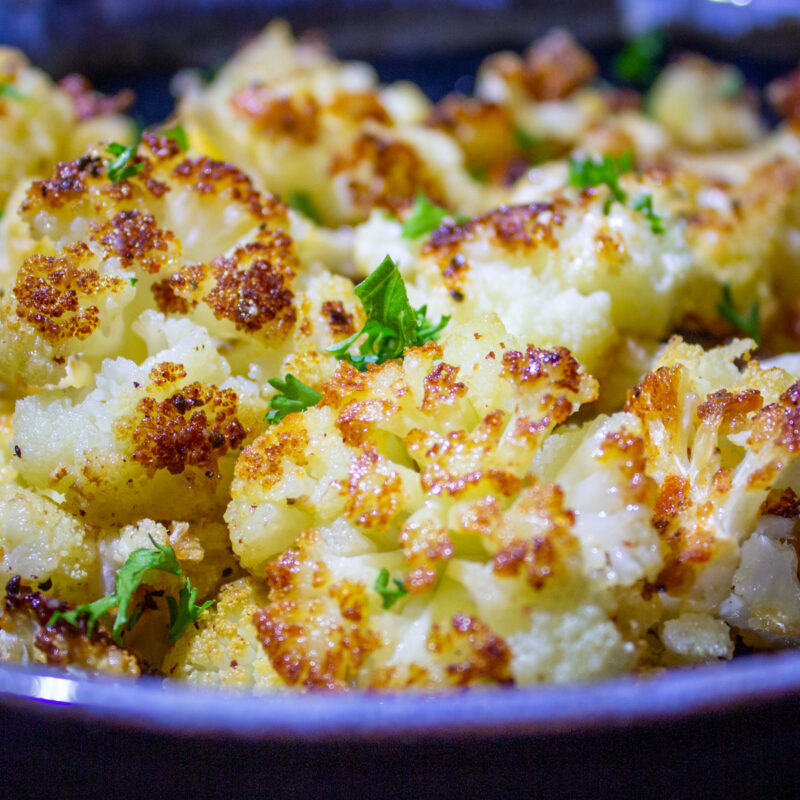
<point x="42" y="123"/>
<point x="107" y="251"/>
<point x="26" y="637"/>
<point x="323" y="133"/>
<point x="224" y="648"/>
<point x="42" y="543"/>
<point x="154" y="440"/>
<point x="717" y="441"/>
<point x="420" y="469"/>
<point x="705" y="106"/>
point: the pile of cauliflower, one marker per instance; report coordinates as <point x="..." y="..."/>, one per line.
<point x="582" y="470"/>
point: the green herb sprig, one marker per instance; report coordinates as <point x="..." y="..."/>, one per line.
<point x="12" y="93"/>
<point x="178" y="135"/>
<point x="293" y="396"/>
<point x="182" y="612"/>
<point x="588" y="171"/>
<point x="748" y="323"/>
<point x="644" y="203"/>
<point x="392" y="324"/>
<point x="120" y="167"/>
<point x="302" y="202"/>
<point x="389" y="594"/>
<point x="639" y="60"/>
<point x="425" y="217"/>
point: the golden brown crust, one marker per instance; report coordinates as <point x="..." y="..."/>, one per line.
<point x="194" y="427"/>
<point x="295" y="117"/>
<point x="481" y="654"/>
<point x="251" y="287"/>
<point x="54" y="294"/>
<point x="395" y="174"/>
<point x="133" y="236"/>
<point x="340" y="322"/>
<point x="27" y="613"/>
<point x="545" y="552"/>
<point x="374" y="491"/>
<point x="441" y="387"/>
<point x="89" y="103"/>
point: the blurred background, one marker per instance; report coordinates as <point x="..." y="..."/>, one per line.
<point x="437" y="43"/>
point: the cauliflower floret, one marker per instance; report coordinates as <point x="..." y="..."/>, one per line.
<point x="764" y="605"/>
<point x="322" y="133"/>
<point x="45" y="545"/>
<point x="470" y="412"/>
<point x="696" y="638"/>
<point x="705" y="106"/>
<point x="26" y="637"/>
<point x="422" y="467"/>
<point x="163" y="435"/>
<point x="557" y="272"/>
<point x="223" y="649"/>
<point x="570" y="646"/>
<point x="717" y="440"/>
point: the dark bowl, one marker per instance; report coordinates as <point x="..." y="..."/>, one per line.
<point x="721" y="730"/>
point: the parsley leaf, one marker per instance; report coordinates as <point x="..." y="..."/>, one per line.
<point x="478" y="173"/>
<point x="294" y="396"/>
<point x="638" y="61"/>
<point x="128" y="580"/>
<point x="12" y="93"/>
<point x="424" y="218"/>
<point x="392" y="324"/>
<point x="302" y="202"/>
<point x="184" y="611"/>
<point x="133" y="281"/>
<point x="589" y="171"/>
<point x="178" y="135"/>
<point x="90" y="611"/>
<point x="644" y="203"/>
<point x="119" y="167"/>
<point x="389" y="595"/>
<point x="746" y="323"/>
<point x="730" y="82"/>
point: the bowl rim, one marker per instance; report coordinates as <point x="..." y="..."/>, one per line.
<point x="159" y="706"/>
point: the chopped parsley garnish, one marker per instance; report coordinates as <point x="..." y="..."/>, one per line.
<point x="730" y="82"/>
<point x="302" y="202"/>
<point x="478" y="174"/>
<point x="638" y="61"/>
<point x="748" y="323"/>
<point x="424" y="218"/>
<point x="182" y="612"/>
<point x="293" y="396"/>
<point x="120" y="167"/>
<point x="644" y="203"/>
<point x="606" y="170"/>
<point x="133" y="281"/>
<point x="589" y="171"/>
<point x="389" y="595"/>
<point x="12" y="93"/>
<point x="178" y="135"/>
<point x="392" y="324"/>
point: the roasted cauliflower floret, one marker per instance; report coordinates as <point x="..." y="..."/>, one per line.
<point x="27" y="637"/>
<point x="42" y="123"/>
<point x="224" y="648"/>
<point x="163" y="434"/>
<point x="705" y="106"/>
<point x="45" y="545"/>
<point x="322" y="134"/>
<point x="717" y="441"/>
<point x="420" y="469"/>
<point x="557" y="271"/>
